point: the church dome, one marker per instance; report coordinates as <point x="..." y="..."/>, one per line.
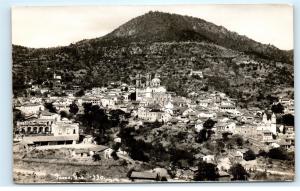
<point x="155" y="80"/>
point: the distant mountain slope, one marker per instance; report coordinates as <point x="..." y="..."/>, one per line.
<point x="171" y="45"/>
<point x="165" y="27"/>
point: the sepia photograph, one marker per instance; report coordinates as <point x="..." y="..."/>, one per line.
<point x="153" y="93"/>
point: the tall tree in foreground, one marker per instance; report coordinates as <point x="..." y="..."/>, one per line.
<point x="238" y="172"/>
<point x="206" y="172"/>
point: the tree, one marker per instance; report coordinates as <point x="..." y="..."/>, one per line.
<point x="262" y="153"/>
<point x="220" y="146"/>
<point x="288" y="120"/>
<point x="180" y="157"/>
<point x="116" y="146"/>
<point x="284" y="130"/>
<point x="132" y="96"/>
<point x="249" y="155"/>
<point x="63" y="114"/>
<point x="17" y="115"/>
<point x="114" y="155"/>
<point x="205" y="88"/>
<point x="115" y="116"/>
<point x="50" y="107"/>
<point x="204" y="135"/>
<point x="96" y="157"/>
<point x="201" y="136"/>
<point x="225" y="136"/>
<point x="80" y="93"/>
<point x="206" y="172"/>
<point x="137" y="149"/>
<point x="271" y="99"/>
<point x="277" y="108"/>
<point x="96" y="118"/>
<point x="237" y="140"/>
<point x="278" y="153"/>
<point x="206" y="132"/>
<point x="238" y="172"/>
<point x="73" y="108"/>
<point x="209" y="124"/>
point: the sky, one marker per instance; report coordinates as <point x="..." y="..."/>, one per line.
<point x="41" y="27"/>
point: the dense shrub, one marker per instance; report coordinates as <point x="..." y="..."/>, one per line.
<point x="238" y="172"/>
<point x="278" y="153"/>
<point x="249" y="155"/>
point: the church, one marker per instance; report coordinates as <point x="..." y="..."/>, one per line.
<point x="150" y="89"/>
<point x="268" y="124"/>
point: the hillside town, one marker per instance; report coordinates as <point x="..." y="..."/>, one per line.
<point x="143" y="132"/>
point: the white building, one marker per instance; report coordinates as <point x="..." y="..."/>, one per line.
<point x="151" y="88"/>
<point x="198" y="127"/>
<point x="65" y="127"/>
<point x="209" y="158"/>
<point x="196" y="73"/>
<point x="90" y="99"/>
<point x="48" y="132"/>
<point x="204" y="103"/>
<point x="109" y="101"/>
<point x="268" y="124"/>
<point x="31" y="108"/>
<point x="168" y="108"/>
<point x="227" y="108"/>
<point x="226" y="127"/>
<point x="207" y="115"/>
<point x="45" y="115"/>
<point x="149" y="115"/>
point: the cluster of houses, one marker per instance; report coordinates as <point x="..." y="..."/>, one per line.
<point x="149" y="101"/>
<point x="45" y="128"/>
<point x="265" y="132"/>
<point x="152" y="102"/>
<point x="288" y="105"/>
<point x="157" y="104"/>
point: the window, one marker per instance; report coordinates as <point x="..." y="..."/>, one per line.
<point x="74" y="131"/>
<point x="60" y="132"/>
<point x="34" y="129"/>
<point x="68" y="131"/>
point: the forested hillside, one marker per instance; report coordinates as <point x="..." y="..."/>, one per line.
<point x="171" y="45"/>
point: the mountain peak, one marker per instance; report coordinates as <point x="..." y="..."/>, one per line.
<point x="156" y="26"/>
